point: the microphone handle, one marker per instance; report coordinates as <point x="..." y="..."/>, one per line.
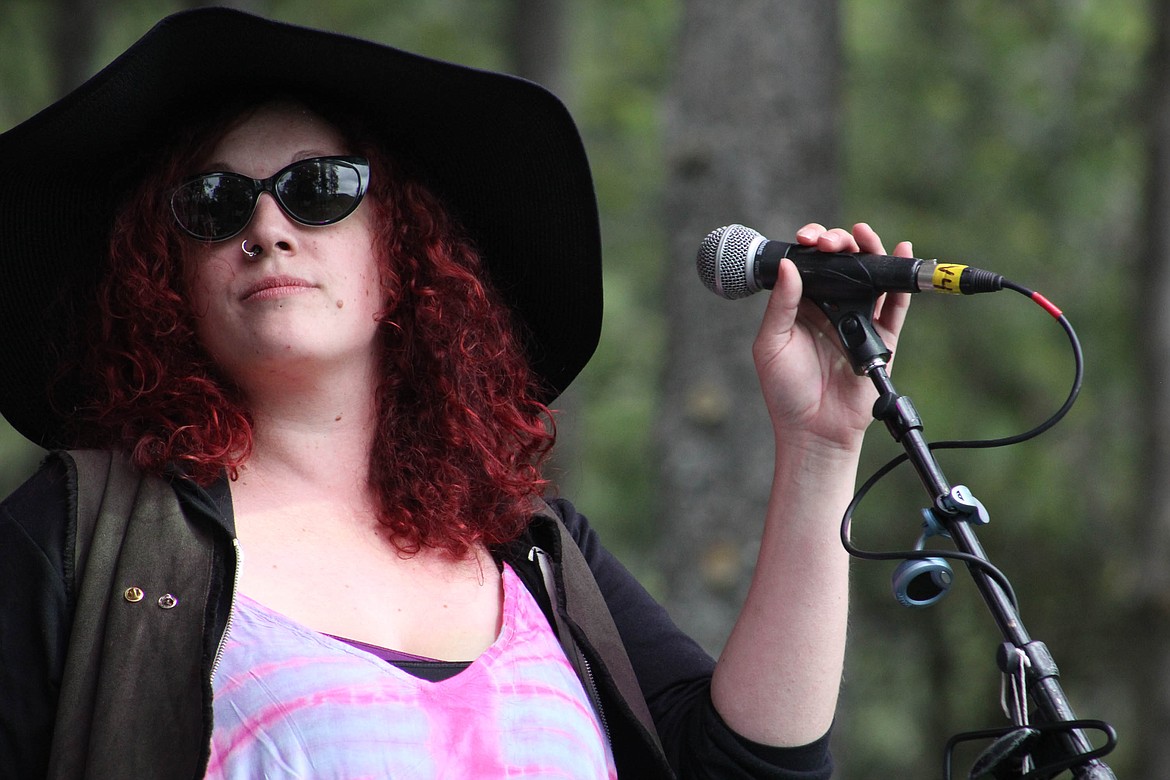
<point x="848" y="276"/>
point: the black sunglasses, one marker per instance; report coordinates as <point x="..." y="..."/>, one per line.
<point x="317" y="191"/>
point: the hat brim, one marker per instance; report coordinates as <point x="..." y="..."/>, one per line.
<point x="501" y="152"/>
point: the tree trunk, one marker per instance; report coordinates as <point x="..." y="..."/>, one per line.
<point x="1151" y="536"/>
<point x="535" y="40"/>
<point x="75" y="31"/>
<point x="751" y="138"/>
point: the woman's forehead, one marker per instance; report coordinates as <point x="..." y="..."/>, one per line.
<point x="282" y="129"/>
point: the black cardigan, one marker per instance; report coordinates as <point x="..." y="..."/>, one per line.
<point x="39" y="596"/>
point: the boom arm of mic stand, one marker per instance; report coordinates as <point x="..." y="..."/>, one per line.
<point x="853" y="321"/>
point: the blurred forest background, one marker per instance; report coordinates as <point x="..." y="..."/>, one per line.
<point x="1029" y="138"/>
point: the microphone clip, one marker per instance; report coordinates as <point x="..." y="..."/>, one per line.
<point x="853" y="321"/>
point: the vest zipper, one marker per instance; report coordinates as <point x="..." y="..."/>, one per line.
<point x="584" y="670"/>
<point x="595" y="696"/>
<point x="227" y="628"/>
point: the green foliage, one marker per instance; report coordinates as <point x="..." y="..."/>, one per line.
<point x="26" y="71"/>
<point x="1003" y="135"/>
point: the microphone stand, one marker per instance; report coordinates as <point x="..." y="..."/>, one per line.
<point x="955" y="509"/>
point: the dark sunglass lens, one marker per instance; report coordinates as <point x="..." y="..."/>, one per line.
<point x="318" y="192"/>
<point x="215" y="206"/>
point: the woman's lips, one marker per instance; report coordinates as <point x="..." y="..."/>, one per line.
<point x="276" y="287"/>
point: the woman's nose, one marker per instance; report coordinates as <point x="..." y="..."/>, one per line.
<point x="270" y="227"/>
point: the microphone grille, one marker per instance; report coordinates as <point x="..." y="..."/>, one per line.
<point x="722" y="261"/>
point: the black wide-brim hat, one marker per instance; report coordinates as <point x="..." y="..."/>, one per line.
<point x="501" y="152"/>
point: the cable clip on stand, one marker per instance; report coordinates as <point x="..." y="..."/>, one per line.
<point x="1057" y="742"/>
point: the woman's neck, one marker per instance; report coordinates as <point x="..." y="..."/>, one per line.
<point x="315" y="432"/>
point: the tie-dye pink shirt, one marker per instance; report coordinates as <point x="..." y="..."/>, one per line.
<point x="290" y="702"/>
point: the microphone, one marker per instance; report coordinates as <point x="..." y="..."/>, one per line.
<point x="735" y="261"/>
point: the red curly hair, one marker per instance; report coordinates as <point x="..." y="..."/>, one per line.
<point x="461" y="434"/>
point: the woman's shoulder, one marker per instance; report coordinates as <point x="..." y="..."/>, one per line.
<point x="33" y="541"/>
<point x="45" y="506"/>
<point x="41" y="497"/>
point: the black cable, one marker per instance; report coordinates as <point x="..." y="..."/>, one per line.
<point x="991" y="571"/>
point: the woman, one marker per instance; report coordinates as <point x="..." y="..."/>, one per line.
<point x="307" y="342"/>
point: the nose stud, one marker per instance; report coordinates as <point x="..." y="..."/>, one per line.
<point x="250" y="252"/>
